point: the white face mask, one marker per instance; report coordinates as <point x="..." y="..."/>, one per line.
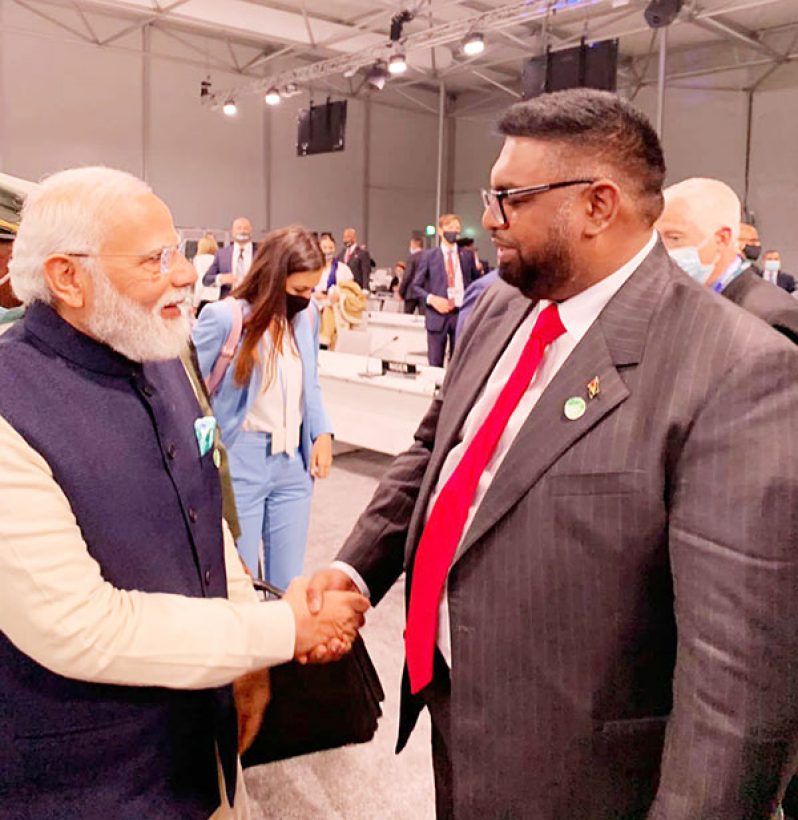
<point x="689" y="260"/>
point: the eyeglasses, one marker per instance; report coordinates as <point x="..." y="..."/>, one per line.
<point x="160" y="261"/>
<point x="493" y="200"/>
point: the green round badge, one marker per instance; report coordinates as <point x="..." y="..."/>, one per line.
<point x="575" y="408"/>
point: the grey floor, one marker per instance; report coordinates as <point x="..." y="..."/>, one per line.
<point x="367" y="781"/>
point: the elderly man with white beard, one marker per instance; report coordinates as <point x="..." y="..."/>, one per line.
<point x="125" y="613"/>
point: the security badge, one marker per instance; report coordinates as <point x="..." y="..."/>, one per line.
<point x="576" y="406"/>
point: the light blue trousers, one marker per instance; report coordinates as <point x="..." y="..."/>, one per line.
<point x="273" y="496"/>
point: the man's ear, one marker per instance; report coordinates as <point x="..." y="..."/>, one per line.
<point x="602" y="204"/>
<point x="723" y="237"/>
<point x="66" y="281"/>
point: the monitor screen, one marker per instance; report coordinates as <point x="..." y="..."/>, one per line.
<point x="321" y="128"/>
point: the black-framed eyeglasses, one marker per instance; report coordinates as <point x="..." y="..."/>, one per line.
<point x="160" y="261"/>
<point x="493" y="200"/>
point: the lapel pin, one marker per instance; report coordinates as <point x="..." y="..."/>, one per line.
<point x="575" y="408"/>
<point x="593" y="388"/>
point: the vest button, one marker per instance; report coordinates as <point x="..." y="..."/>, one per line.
<point x="171" y="451"/>
<point x="192" y="515"/>
<point x="207" y="577"/>
<point x="147" y="390"/>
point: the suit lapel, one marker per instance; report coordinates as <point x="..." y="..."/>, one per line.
<point x="547" y="433"/>
<point x="616" y="339"/>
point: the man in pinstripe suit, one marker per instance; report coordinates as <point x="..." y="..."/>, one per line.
<point x="617" y="634"/>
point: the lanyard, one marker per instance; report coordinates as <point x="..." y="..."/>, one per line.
<point x="731" y="273"/>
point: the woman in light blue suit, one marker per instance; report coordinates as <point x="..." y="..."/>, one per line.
<point x="268" y="404"/>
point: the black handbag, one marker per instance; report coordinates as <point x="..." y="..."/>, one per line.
<point x="316" y="707"/>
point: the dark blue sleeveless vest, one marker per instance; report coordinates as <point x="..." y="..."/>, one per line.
<point x="119" y="438"/>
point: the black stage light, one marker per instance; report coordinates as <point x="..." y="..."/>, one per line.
<point x="378" y="75"/>
<point x="398" y="22"/>
<point x="661" y="13"/>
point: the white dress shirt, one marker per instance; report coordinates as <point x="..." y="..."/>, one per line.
<point x="57" y="608"/>
<point x="239" y="270"/>
<point x="577" y="315"/>
<point x="278" y="408"/>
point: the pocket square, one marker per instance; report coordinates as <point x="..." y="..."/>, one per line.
<point x="204" y="429"/>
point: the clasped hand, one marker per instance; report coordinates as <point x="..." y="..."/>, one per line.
<point x="324" y="632"/>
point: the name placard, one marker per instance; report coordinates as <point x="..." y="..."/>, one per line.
<point x="399" y="368"/>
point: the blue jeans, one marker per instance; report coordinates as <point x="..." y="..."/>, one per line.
<point x="273" y="494"/>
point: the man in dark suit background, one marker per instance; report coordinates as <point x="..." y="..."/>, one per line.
<point x="232" y="262"/>
<point x="443" y="275"/>
<point x="614" y="632"/>
<point x="749" y="246"/>
<point x="699" y="226"/>
<point x="357" y="258"/>
<point x="411" y="304"/>
<point x="772" y="272"/>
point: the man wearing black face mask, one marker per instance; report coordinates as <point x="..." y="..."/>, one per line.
<point x="443" y="275"/>
<point x="749" y="247"/>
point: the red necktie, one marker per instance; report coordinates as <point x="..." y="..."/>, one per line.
<point x="443" y="531"/>
<point x="450" y="268"/>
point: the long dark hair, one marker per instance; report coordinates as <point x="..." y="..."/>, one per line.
<point x="283" y="252"/>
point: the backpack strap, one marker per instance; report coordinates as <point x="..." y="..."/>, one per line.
<point x="229" y="348"/>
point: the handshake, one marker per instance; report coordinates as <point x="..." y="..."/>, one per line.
<point x="328" y="611"/>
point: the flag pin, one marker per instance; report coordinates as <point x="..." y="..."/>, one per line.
<point x="593" y="388"/>
<point x="575" y="408"/>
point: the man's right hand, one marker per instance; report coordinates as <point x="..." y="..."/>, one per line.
<point x="441" y="304"/>
<point x="327" y="632"/>
<point x="226" y="278"/>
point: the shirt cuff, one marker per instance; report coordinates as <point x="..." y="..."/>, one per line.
<point x="272" y="632"/>
<point x="356" y="577"/>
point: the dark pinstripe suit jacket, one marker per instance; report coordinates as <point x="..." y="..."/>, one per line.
<point x="624" y="610"/>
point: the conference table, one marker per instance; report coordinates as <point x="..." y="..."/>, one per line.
<point x="399" y="336"/>
<point x="370" y="409"/>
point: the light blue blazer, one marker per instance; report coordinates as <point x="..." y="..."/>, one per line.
<point x="231" y="402"/>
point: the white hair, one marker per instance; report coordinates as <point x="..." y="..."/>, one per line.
<point x="708" y="203"/>
<point x="66" y="213"/>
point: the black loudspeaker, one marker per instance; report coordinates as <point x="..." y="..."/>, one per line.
<point x="661" y="13"/>
<point x="585" y="66"/>
<point x="533" y="78"/>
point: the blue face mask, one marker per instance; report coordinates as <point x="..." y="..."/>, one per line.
<point x="690" y="262"/>
<point x="772" y="265"/>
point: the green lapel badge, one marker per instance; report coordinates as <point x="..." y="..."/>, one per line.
<point x="575" y="408"/>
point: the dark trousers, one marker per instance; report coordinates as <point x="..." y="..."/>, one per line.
<point x="437" y="697"/>
<point x="436" y="340"/>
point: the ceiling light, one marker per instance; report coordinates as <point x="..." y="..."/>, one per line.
<point x="661" y="13"/>
<point x="377" y="76"/>
<point x="474" y="44"/>
<point x="230" y="108"/>
<point x="397" y="64"/>
<point x="291" y="90"/>
<point x="272" y="97"/>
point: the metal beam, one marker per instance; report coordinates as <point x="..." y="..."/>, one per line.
<point x="736" y="33"/>
<point x="55" y="21"/>
<point x="497" y="84"/>
<point x="150" y="18"/>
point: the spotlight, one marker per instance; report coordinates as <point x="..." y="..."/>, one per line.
<point x="291" y="90"/>
<point x="272" y="97"/>
<point x="397" y="64"/>
<point x="377" y="76"/>
<point x="474" y="44"/>
<point x="661" y="13"/>
<point x="230" y="108"/>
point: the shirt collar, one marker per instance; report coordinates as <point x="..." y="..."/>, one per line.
<point x="579" y="312"/>
<point x="45" y="324"/>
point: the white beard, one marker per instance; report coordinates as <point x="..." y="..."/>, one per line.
<point x="140" y="334"/>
